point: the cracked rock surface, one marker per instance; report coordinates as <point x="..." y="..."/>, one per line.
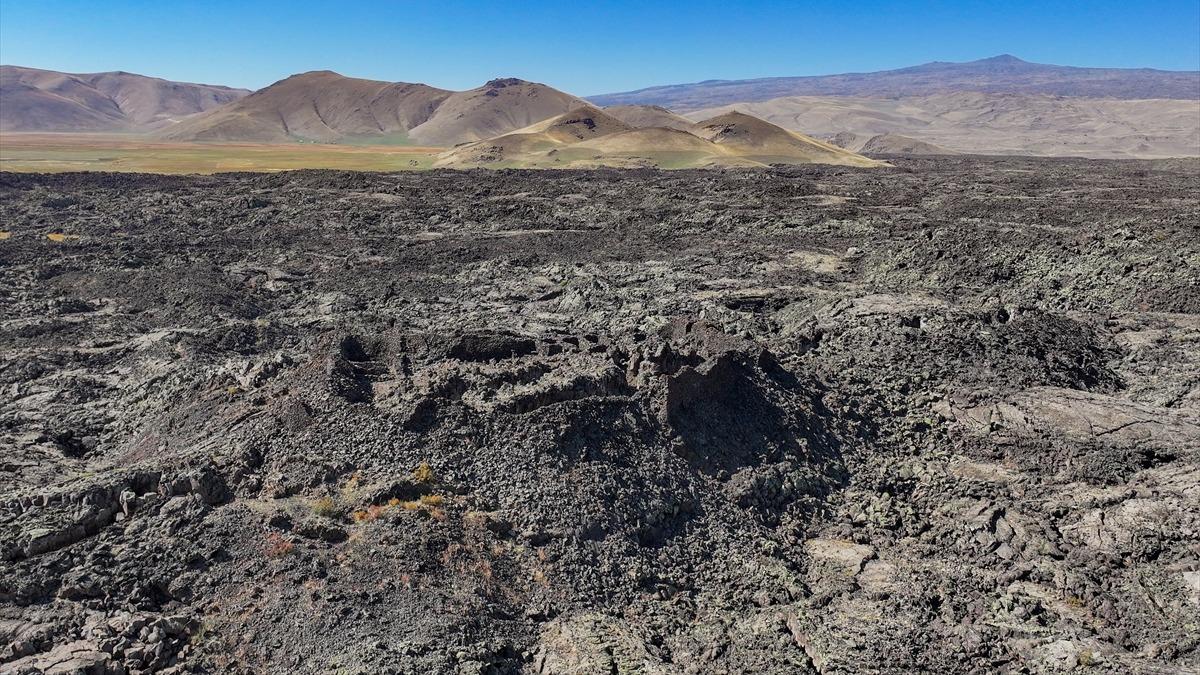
<point x="941" y="417"/>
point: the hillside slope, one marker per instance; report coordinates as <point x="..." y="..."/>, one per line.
<point x="325" y="107"/>
<point x="886" y="144"/>
<point x="316" y="106"/>
<point x="642" y="116"/>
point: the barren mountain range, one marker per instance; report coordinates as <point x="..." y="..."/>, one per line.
<point x="999" y="74"/>
<point x="1001" y="105"/>
<point x="981" y="123"/>
<point x="45" y="100"/>
<point x="326" y="107"/>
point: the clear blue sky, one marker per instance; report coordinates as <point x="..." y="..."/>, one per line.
<point x="582" y="47"/>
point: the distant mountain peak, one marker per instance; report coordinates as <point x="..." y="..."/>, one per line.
<point x="1003" y="59"/>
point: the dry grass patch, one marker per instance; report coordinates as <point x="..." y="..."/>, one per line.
<point x="326" y="507"/>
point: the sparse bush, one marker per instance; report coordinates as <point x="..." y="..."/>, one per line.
<point x="325" y="507"/>
<point x="423" y="474"/>
<point x="428" y="503"/>
<point x="279" y="547"/>
<point x="351" y="485"/>
<point x="370" y="514"/>
<point x="204" y="632"/>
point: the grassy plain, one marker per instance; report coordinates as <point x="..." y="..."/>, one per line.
<point x="117" y="152"/>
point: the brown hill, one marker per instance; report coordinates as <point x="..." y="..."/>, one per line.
<point x="588" y="137"/>
<point x="318" y="106"/>
<point x="581" y="124"/>
<point x="45" y="100"/>
<point x="528" y="145"/>
<point x="886" y="144"/>
<point x="648" y="147"/>
<point x="642" y="116"/>
<point x="496" y="108"/>
<point x="757" y="139"/>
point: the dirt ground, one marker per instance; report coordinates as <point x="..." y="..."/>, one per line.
<point x="942" y="417"/>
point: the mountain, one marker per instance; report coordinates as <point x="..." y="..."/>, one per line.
<point x="320" y="106"/>
<point x="325" y="107"/>
<point x="498" y="107"/>
<point x="589" y="137"/>
<point x="978" y="123"/>
<point x="999" y="74"/>
<point x="642" y="116"/>
<point x="44" y="100"/>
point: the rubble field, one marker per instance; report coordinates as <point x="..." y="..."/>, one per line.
<point x="937" y="417"/>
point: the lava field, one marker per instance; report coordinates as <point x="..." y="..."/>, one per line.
<point x="937" y="417"/>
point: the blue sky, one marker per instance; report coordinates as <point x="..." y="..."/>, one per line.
<point x="582" y="47"/>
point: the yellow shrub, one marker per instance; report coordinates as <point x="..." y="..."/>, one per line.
<point x="423" y="474"/>
<point x="326" y="507"/>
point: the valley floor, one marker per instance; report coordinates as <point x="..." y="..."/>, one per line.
<point x="62" y="152"/>
<point x="937" y="417"/>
